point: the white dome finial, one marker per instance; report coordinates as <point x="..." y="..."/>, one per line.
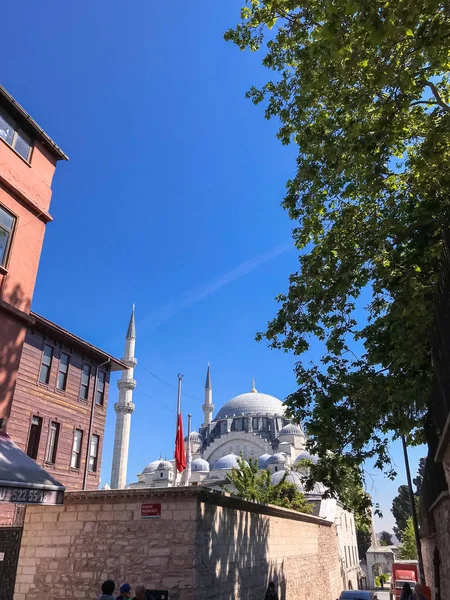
<point x="253" y="385"/>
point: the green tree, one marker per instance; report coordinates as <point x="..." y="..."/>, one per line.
<point x="408" y="548"/>
<point x="418" y="479"/>
<point x="385" y="538"/>
<point x="362" y="89"/>
<point x="252" y="484"/>
<point x="401" y="509"/>
<point x="364" y="541"/>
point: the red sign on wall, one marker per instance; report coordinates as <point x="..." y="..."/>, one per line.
<point x="150" y="511"/>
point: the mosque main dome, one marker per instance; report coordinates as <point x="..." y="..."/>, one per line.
<point x="252" y="403"/>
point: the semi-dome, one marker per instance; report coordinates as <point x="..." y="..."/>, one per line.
<point x="151" y="467"/>
<point x="195" y="437"/>
<point x="291" y="429"/>
<point x="262" y="461"/>
<point x="164" y="465"/>
<point x="252" y="403"/>
<point x="291" y="477"/>
<point x="306" y="456"/>
<point x="200" y="465"/>
<point x="227" y="462"/>
<point x="278" y="458"/>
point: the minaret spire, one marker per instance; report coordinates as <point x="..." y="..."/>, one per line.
<point x="208" y="406"/>
<point x="124" y="409"/>
<point x="253" y="385"/>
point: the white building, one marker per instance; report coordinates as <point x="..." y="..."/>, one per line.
<point x="254" y="425"/>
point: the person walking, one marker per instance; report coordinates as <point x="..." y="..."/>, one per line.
<point x="271" y="593"/>
<point x="406" y="592"/>
<point x="125" y="592"/>
<point x="108" y="587"/>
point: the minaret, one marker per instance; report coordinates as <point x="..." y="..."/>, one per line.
<point x="124" y="407"/>
<point x="208" y="407"/>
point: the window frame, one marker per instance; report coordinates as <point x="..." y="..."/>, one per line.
<point x="17" y="131"/>
<point x="64" y="373"/>
<point x="78" y="453"/>
<point x="52" y="442"/>
<point x="82" y="385"/>
<point x="37" y="443"/>
<point x="49" y="366"/>
<point x="100" y="394"/>
<point x="10" y="234"/>
<point x="93" y="457"/>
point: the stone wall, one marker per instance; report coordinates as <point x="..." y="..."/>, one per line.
<point x="205" y="545"/>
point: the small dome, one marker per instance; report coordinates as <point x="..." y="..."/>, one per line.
<point x="306" y="456"/>
<point x="291" y="429"/>
<point x="200" y="465"/>
<point x="276" y="459"/>
<point x="151" y="467"/>
<point x="227" y="462"/>
<point x="262" y="461"/>
<point x="106" y="487"/>
<point x="164" y="465"/>
<point x="195" y="437"/>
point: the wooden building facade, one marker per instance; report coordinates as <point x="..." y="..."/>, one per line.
<point x="59" y="405"/>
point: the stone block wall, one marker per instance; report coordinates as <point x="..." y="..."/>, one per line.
<point x="204" y="546"/>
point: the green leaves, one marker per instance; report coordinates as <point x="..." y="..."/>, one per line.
<point x="362" y="89"/>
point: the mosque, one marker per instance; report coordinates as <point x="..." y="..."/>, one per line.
<point x="252" y="424"/>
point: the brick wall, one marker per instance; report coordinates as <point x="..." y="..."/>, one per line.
<point x="205" y="545"/>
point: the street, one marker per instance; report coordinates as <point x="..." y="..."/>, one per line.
<point x="382" y="594"/>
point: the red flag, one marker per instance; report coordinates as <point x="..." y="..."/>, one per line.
<point x="180" y="455"/>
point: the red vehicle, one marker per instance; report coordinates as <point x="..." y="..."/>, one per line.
<point x="403" y="571"/>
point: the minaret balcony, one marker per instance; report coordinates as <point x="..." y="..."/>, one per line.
<point x="131" y="361"/>
<point x="208" y="408"/>
<point x="124" y="407"/>
<point x="126" y="384"/>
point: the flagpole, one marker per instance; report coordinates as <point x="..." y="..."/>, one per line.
<point x="180" y="378"/>
<point x="188" y="453"/>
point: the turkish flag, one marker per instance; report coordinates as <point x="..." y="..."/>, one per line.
<point x="180" y="455"/>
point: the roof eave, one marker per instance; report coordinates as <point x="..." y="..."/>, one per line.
<point x="43" y="137"/>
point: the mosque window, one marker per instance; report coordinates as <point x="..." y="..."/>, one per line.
<point x="7" y="222"/>
<point x="100" y="396"/>
<point x="255" y="424"/>
<point x="46" y="365"/>
<point x="265" y="424"/>
<point x="93" y="453"/>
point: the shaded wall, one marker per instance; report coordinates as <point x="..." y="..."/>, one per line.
<point x="205" y="545"/>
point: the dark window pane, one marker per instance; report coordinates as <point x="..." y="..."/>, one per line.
<point x="100" y="387"/>
<point x="62" y="373"/>
<point x="34" y="437"/>
<point x="86" y="374"/>
<point x="93" y="453"/>
<point x="44" y="375"/>
<point x="6" y="129"/>
<point x="4" y="241"/>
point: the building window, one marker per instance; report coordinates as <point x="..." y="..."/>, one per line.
<point x="100" y="396"/>
<point x="161" y="474"/>
<point x="346" y="561"/>
<point x="255" y="424"/>
<point x="85" y="376"/>
<point x="76" y="449"/>
<point x="93" y="454"/>
<point x="52" y="446"/>
<point x="7" y="222"/>
<point x="34" y="437"/>
<point x="46" y="364"/>
<point x="14" y="136"/>
<point x="62" y="373"/>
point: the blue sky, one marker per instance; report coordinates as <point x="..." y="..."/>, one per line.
<point x="171" y="199"/>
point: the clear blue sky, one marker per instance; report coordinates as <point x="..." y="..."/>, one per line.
<point x="171" y="199"/>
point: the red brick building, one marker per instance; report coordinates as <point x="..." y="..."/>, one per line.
<point x="53" y="385"/>
<point x="28" y="160"/>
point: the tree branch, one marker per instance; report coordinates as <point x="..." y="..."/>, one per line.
<point x="436" y="94"/>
